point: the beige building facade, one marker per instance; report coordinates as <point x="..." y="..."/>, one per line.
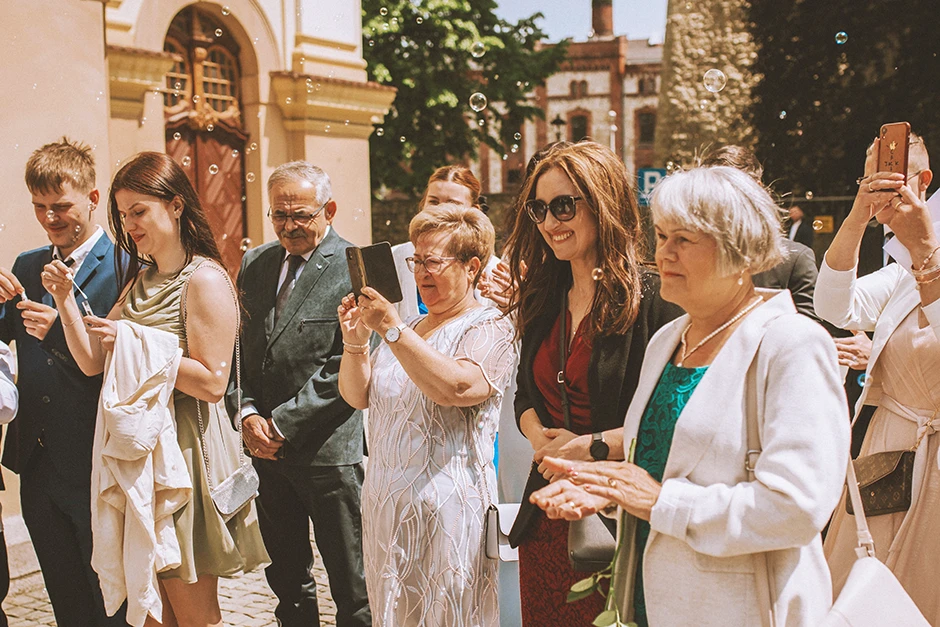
<point x="230" y="89"/>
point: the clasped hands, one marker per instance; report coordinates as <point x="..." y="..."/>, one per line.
<point x="580" y="489"/>
<point x="261" y="437"/>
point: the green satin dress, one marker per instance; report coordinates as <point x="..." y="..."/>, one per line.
<point x="209" y="546"/>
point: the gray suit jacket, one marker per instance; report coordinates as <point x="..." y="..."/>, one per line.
<point x="290" y="371"/>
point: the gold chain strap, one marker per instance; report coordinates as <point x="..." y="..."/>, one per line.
<point x="238" y="370"/>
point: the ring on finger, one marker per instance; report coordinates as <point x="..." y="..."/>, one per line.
<point x="870" y="190"/>
<point x="899" y="203"/>
<point x="612" y="482"/>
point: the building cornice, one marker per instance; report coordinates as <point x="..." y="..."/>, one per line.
<point x="133" y="72"/>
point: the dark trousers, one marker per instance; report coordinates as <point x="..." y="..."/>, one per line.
<point x="57" y="513"/>
<point x="4" y="577"/>
<point x="329" y="496"/>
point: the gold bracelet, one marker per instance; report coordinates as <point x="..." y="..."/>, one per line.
<point x="351" y="352"/>
<point x="925" y="282"/>
<point x="926" y="271"/>
<point x="361" y="347"/>
<point x="923" y="264"/>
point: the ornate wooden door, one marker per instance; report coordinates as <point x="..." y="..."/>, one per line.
<point x="204" y="133"/>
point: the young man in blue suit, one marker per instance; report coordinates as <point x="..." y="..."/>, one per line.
<point x="49" y="442"/>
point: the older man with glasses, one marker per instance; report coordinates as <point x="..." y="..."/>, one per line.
<point x="307" y="442"/>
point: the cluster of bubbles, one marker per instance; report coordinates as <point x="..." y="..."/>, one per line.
<point x="715" y="80"/>
<point x="478" y="102"/>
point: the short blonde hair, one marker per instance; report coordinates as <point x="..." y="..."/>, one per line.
<point x="917" y="158"/>
<point x="729" y="206"/>
<point x="471" y="232"/>
<point x="64" y="161"/>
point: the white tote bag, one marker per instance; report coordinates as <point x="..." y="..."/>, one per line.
<point x="872" y="595"/>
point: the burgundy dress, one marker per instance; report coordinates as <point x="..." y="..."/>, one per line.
<point x="545" y="576"/>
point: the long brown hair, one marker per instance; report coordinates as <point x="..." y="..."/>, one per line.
<point x="603" y="182"/>
<point x="156" y="174"/>
<point x="459" y="174"/>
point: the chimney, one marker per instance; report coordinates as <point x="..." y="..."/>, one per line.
<point x="602" y="18"/>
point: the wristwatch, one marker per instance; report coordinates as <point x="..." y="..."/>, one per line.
<point x="394" y="333"/>
<point x="599" y="449"/>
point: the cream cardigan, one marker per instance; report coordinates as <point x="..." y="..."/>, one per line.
<point x="139" y="477"/>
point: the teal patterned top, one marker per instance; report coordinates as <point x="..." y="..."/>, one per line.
<point x="653" y="441"/>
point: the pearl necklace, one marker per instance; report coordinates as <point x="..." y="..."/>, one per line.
<point x="685" y="353"/>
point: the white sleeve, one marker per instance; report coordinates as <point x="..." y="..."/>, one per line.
<point x="852" y="303"/>
<point x="9" y="397"/>
<point x="800" y="472"/>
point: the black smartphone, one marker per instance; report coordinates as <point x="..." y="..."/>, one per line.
<point x="374" y="266"/>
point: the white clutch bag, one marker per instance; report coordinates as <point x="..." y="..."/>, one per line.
<point x="499" y="520"/>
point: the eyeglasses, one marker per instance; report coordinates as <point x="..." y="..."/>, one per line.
<point x="562" y="207"/>
<point x="432" y="265"/>
<point x="301" y="217"/>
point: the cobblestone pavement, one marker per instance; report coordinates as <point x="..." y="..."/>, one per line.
<point x="246" y="601"/>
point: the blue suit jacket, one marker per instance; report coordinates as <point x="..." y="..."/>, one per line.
<point x="56" y="399"/>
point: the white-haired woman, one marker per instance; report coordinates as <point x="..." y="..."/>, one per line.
<point x="714" y="543"/>
<point x="433" y="389"/>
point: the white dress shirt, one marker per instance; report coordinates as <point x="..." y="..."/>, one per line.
<point x="78" y="255"/>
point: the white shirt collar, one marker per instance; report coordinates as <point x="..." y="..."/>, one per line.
<point x="78" y="255"/>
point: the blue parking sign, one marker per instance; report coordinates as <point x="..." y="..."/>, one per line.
<point x="648" y="178"/>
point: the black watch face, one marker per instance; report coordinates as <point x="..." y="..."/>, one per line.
<point x="599" y="450"/>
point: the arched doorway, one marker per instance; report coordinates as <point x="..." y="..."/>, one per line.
<point x="204" y="128"/>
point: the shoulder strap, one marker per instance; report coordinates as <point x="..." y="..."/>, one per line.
<point x="242" y="460"/>
<point x="866" y="544"/>
<point x="563" y="358"/>
<point x="761" y="567"/>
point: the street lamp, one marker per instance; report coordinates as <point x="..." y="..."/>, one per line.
<point x="559" y="125"/>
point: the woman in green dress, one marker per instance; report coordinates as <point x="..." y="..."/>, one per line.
<point x="164" y="243"/>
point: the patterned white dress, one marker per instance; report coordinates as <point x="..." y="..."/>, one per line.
<point x="429" y="482"/>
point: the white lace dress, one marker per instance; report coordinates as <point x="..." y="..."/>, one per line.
<point x="429" y="482"/>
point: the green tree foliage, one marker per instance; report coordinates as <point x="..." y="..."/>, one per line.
<point x="819" y="103"/>
<point x="424" y="49"/>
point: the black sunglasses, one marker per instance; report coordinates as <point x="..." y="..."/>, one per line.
<point x="562" y="207"/>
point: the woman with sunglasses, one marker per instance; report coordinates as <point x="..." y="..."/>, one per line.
<point x="585" y="309"/>
<point x="433" y="389"/>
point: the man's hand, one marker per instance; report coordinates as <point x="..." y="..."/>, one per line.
<point x="37" y="318"/>
<point x="854" y="351"/>
<point x="10" y="286"/>
<point x="259" y="437"/>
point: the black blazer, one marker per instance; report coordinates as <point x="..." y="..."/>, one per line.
<point x="56" y="398"/>
<point x="612" y="378"/>
<point x="804" y="233"/>
<point x="291" y="371"/>
<point x="796" y="273"/>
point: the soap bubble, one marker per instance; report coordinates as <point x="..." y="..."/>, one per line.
<point x="715" y="80"/>
<point x="218" y="373"/>
<point x="477" y="102"/>
<point x="288" y="100"/>
<point x="371" y="43"/>
<point x="224" y="236"/>
<point x="842" y="37"/>
<point x="671" y="167"/>
<point x="514" y="148"/>
<point x="817" y="225"/>
<point x="326" y="128"/>
<point x="505" y="156"/>
<point x="245" y="244"/>
<point x="388" y="223"/>
<point x="250" y="177"/>
<point x="862" y="378"/>
<point x="477" y="50"/>
<point x="517" y="136"/>
<point x="481" y="121"/>
<point x="402" y="139"/>
<point x="177" y="85"/>
<point x="383" y="11"/>
<point x="254" y="146"/>
<point x="50" y="214"/>
<point x="611" y="114"/>
<point x="210" y="127"/>
<point x="177" y="136"/>
<point x="809" y="195"/>
<point x="702" y="104"/>
<point x="218" y="32"/>
<point x="234" y="152"/>
<point x="226" y="11"/>
<point x="213" y="169"/>
<point x="597" y="274"/>
<point x="358" y="213"/>
<point x="223" y="364"/>
<point x="419" y="20"/>
<point x="783" y="115"/>
<point x="380" y="131"/>
<point x="2" y="226"/>
<point x="196" y="98"/>
<point x="186" y="162"/>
